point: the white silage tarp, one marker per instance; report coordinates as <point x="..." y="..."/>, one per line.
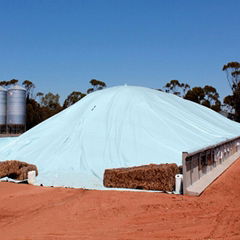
<point x="117" y="127"/>
<point x="5" y="140"/>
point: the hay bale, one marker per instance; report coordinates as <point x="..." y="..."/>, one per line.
<point x="148" y="177"/>
<point x="16" y="170"/>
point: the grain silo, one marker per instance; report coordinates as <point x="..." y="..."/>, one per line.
<point x="3" y="109"/>
<point x="16" y="110"/>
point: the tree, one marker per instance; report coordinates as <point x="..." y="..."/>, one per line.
<point x="3" y="83"/>
<point x="177" y="88"/>
<point x="34" y="113"/>
<point x="195" y="94"/>
<point x="211" y="98"/>
<point x="232" y="70"/>
<point x="184" y="87"/>
<point x="50" y="105"/>
<point x="96" y="85"/>
<point x="9" y="83"/>
<point x="51" y="101"/>
<point x="39" y="95"/>
<point x="90" y="90"/>
<point x="13" y="81"/>
<point x="229" y="106"/>
<point x="73" y="98"/>
<point x="29" y="88"/>
<point x="206" y="96"/>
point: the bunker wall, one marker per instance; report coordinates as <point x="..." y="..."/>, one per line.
<point x="202" y="167"/>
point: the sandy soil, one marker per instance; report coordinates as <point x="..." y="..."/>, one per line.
<point x="28" y="212"/>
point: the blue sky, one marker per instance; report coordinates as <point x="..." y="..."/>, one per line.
<point x="61" y="44"/>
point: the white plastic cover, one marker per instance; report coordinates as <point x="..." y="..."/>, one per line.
<point x="117" y="127"/>
<point x="5" y="140"/>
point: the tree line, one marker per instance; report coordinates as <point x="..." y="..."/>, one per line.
<point x="41" y="106"/>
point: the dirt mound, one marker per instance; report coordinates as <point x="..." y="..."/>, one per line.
<point x="16" y="169"/>
<point x="148" y="177"/>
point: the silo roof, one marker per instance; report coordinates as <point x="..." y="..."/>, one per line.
<point x="17" y="87"/>
<point x="2" y="89"/>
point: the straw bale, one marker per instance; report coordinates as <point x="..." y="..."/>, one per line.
<point x="16" y="170"/>
<point x="148" y="177"/>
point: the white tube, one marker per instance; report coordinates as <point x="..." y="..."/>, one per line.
<point x="31" y="177"/>
<point x="178" y="183"/>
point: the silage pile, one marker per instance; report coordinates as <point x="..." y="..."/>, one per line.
<point x="117" y="127"/>
<point x="5" y="140"/>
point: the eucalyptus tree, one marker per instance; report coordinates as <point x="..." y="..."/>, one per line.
<point x="177" y="88"/>
<point x="206" y="96"/>
<point x="232" y="70"/>
<point x="73" y="98"/>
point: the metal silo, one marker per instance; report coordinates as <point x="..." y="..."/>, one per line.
<point x="16" y="109"/>
<point x="3" y="109"/>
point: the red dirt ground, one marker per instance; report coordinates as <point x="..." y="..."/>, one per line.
<point x="29" y="213"/>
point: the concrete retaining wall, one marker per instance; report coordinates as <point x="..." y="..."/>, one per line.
<point x="202" y="167"/>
